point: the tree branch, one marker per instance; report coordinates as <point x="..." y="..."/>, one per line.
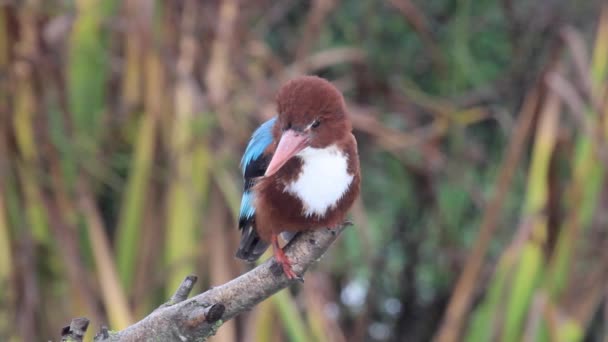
<point x="75" y="331"/>
<point x="199" y="317"/>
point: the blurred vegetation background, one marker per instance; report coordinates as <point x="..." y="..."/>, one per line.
<point x="482" y="129"/>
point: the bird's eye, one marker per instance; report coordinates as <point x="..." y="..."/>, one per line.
<point x="288" y="126"/>
<point x="315" y="124"/>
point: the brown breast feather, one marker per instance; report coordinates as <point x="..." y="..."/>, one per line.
<point x="278" y="210"/>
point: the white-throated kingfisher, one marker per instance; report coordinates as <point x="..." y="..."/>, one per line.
<point x="301" y="169"/>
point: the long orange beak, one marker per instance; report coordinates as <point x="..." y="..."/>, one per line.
<point x="290" y="144"/>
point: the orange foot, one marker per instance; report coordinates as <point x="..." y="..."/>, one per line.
<point x="282" y="259"/>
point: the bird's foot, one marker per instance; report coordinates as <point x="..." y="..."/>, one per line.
<point x="286" y="266"/>
<point x="282" y="260"/>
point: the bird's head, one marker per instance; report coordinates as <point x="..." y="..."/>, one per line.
<point x="312" y="113"/>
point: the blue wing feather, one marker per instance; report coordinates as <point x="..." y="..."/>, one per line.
<point x="260" y="139"/>
<point x="247" y="209"/>
<point x="253" y="164"/>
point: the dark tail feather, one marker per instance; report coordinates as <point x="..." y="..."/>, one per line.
<point x="251" y="247"/>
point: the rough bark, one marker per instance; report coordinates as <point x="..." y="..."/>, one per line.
<point x="75" y="331"/>
<point x="197" y="318"/>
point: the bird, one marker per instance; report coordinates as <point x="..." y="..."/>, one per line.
<point x="300" y="169"/>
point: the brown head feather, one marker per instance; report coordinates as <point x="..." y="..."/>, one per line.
<point x="306" y="99"/>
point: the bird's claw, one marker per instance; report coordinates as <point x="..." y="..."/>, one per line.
<point x="283" y="261"/>
<point x="288" y="271"/>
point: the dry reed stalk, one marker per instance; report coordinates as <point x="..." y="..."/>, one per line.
<point x="218" y="72"/>
<point x="157" y="102"/>
<point x="188" y="185"/>
<point x="529" y="270"/>
<point x="115" y="300"/>
<point x="219" y="255"/>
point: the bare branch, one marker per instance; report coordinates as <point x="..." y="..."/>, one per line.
<point x="199" y="317"/>
<point x="75" y="331"/>
<point x="184" y="289"/>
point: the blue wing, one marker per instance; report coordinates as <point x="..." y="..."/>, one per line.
<point x="260" y="139"/>
<point x="253" y="165"/>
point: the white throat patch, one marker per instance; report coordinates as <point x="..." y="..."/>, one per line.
<point x="323" y="179"/>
